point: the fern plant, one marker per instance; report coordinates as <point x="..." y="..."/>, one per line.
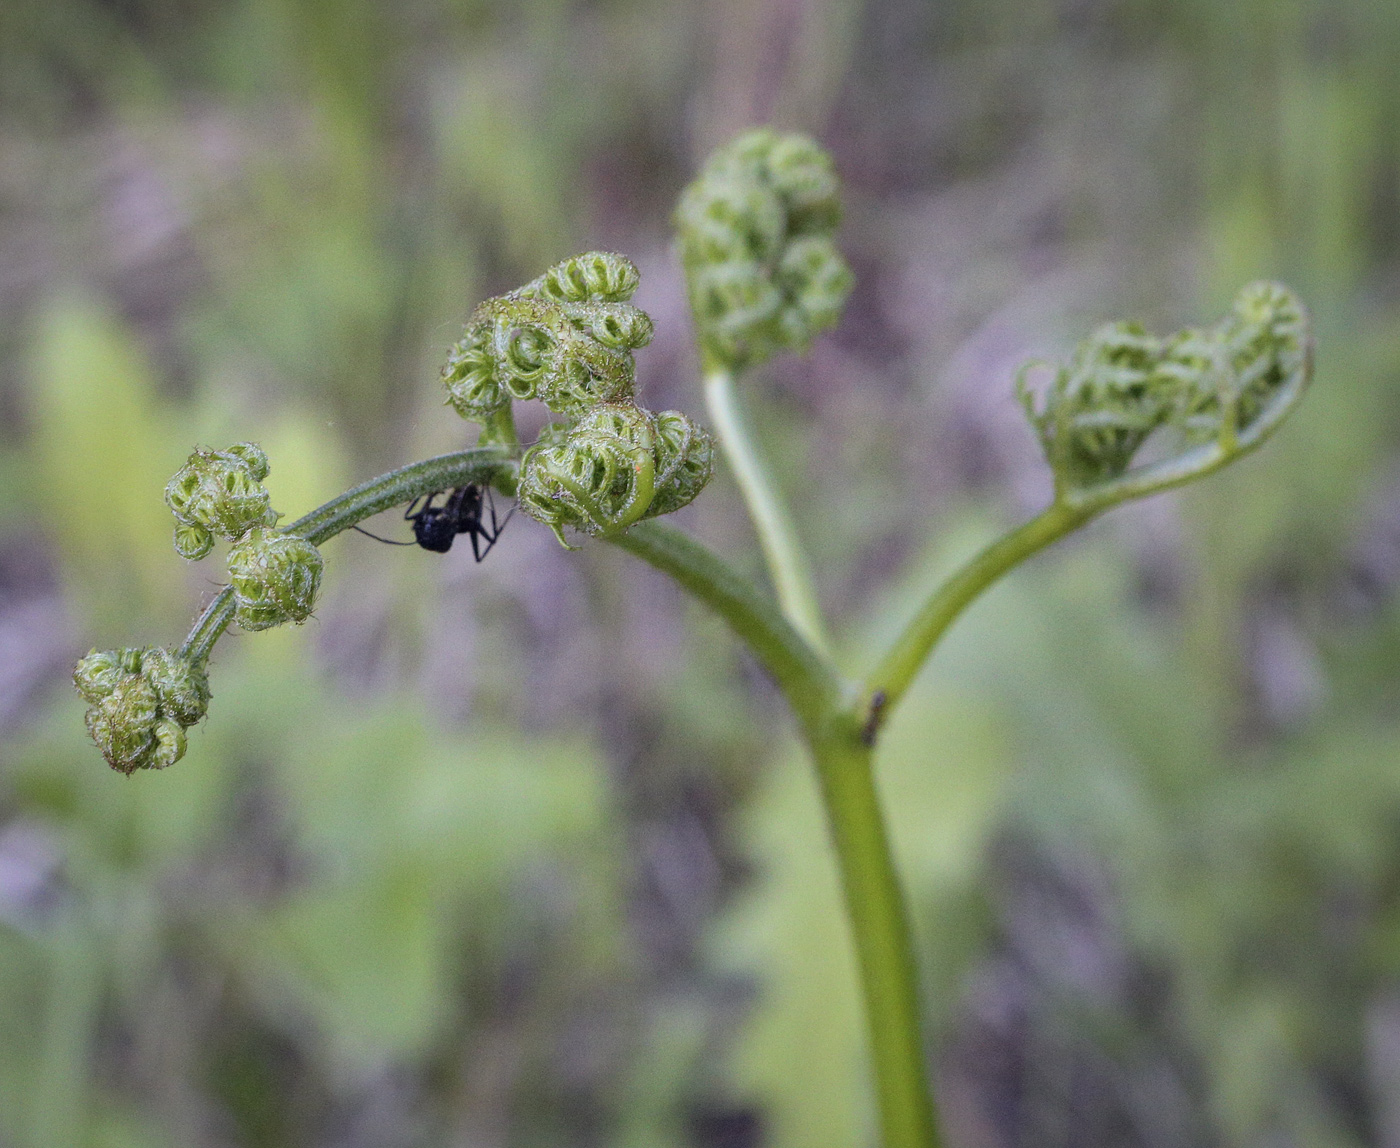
<point x="1130" y="414"/>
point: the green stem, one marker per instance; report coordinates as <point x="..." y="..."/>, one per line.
<point x="811" y="686"/>
<point x="787" y="562"/>
<point x="900" y="665"/>
<point x="499" y="428"/>
<point x="875" y="906"/>
<point x="884" y="946"/>
<point x="1071" y="509"/>
<point x="212" y="623"/>
<point x="446" y="471"/>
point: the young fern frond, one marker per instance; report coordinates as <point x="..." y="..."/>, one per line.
<point x="755" y="235"/>
<point x="566" y="339"/>
<point x="1131" y="414"/>
<point x="1218" y="393"/>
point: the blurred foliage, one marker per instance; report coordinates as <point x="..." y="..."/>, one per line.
<point x="517" y="854"/>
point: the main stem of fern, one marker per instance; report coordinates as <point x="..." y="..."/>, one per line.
<point x="875" y="903"/>
<point x="787" y="562"/>
<point x="884" y="945"/>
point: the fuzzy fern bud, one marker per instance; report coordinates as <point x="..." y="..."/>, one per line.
<point x="140" y="702"/>
<point x="98" y="674"/>
<point x="218" y="492"/>
<point x="565" y="339"/>
<point x="599" y="479"/>
<point x="594" y="277"/>
<point x="1104" y="405"/>
<point x="181" y="685"/>
<point x="1230" y="373"/>
<point x="755" y="232"/>
<point x="170" y="743"/>
<point x="123" y="724"/>
<point x="1218" y="392"/>
<point x="685" y="460"/>
<point x="616" y="465"/>
<point x="275" y="578"/>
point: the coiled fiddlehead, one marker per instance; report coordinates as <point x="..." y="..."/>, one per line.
<point x="599" y="477"/>
<point x="1231" y="373"/>
<point x="218" y="492"/>
<point x="1104" y="405"/>
<point x="275" y="578"/>
<point x="565" y="339"/>
<point x="1220" y="391"/>
<point x="140" y="702"/>
<point x="685" y="461"/>
<point x="616" y="465"/>
<point x="755" y="234"/>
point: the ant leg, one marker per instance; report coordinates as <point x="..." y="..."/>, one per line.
<point x="376" y="537"/>
<point x="491" y="535"/>
<point x="427" y="500"/>
<point x="464" y="508"/>
<point x="452" y="508"/>
<point x="496" y="527"/>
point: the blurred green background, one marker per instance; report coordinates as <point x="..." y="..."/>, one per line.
<point x="522" y="855"/>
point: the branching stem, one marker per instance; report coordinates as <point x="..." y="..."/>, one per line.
<point x="823" y="704"/>
<point x="807" y="680"/>
<point x="898" y="668"/>
<point x="832" y="712"/>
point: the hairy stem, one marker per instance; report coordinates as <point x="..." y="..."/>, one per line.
<point x="901" y="664"/>
<point x="478" y="465"/>
<point x="787" y="562"/>
<point x="884" y="946"/>
<point x="211" y="625"/>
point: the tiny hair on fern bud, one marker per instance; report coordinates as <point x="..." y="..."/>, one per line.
<point x="181" y="684"/>
<point x="627" y="421"/>
<point x="685" y="462"/>
<point x="140" y="703"/>
<point x="98" y="674"/>
<point x="619" y="463"/>
<point x="599" y="479"/>
<point x="123" y="724"/>
<point x="170" y="743"/>
<point x="593" y="277"/>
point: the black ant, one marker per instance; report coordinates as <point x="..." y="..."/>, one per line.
<point x="434" y="527"/>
